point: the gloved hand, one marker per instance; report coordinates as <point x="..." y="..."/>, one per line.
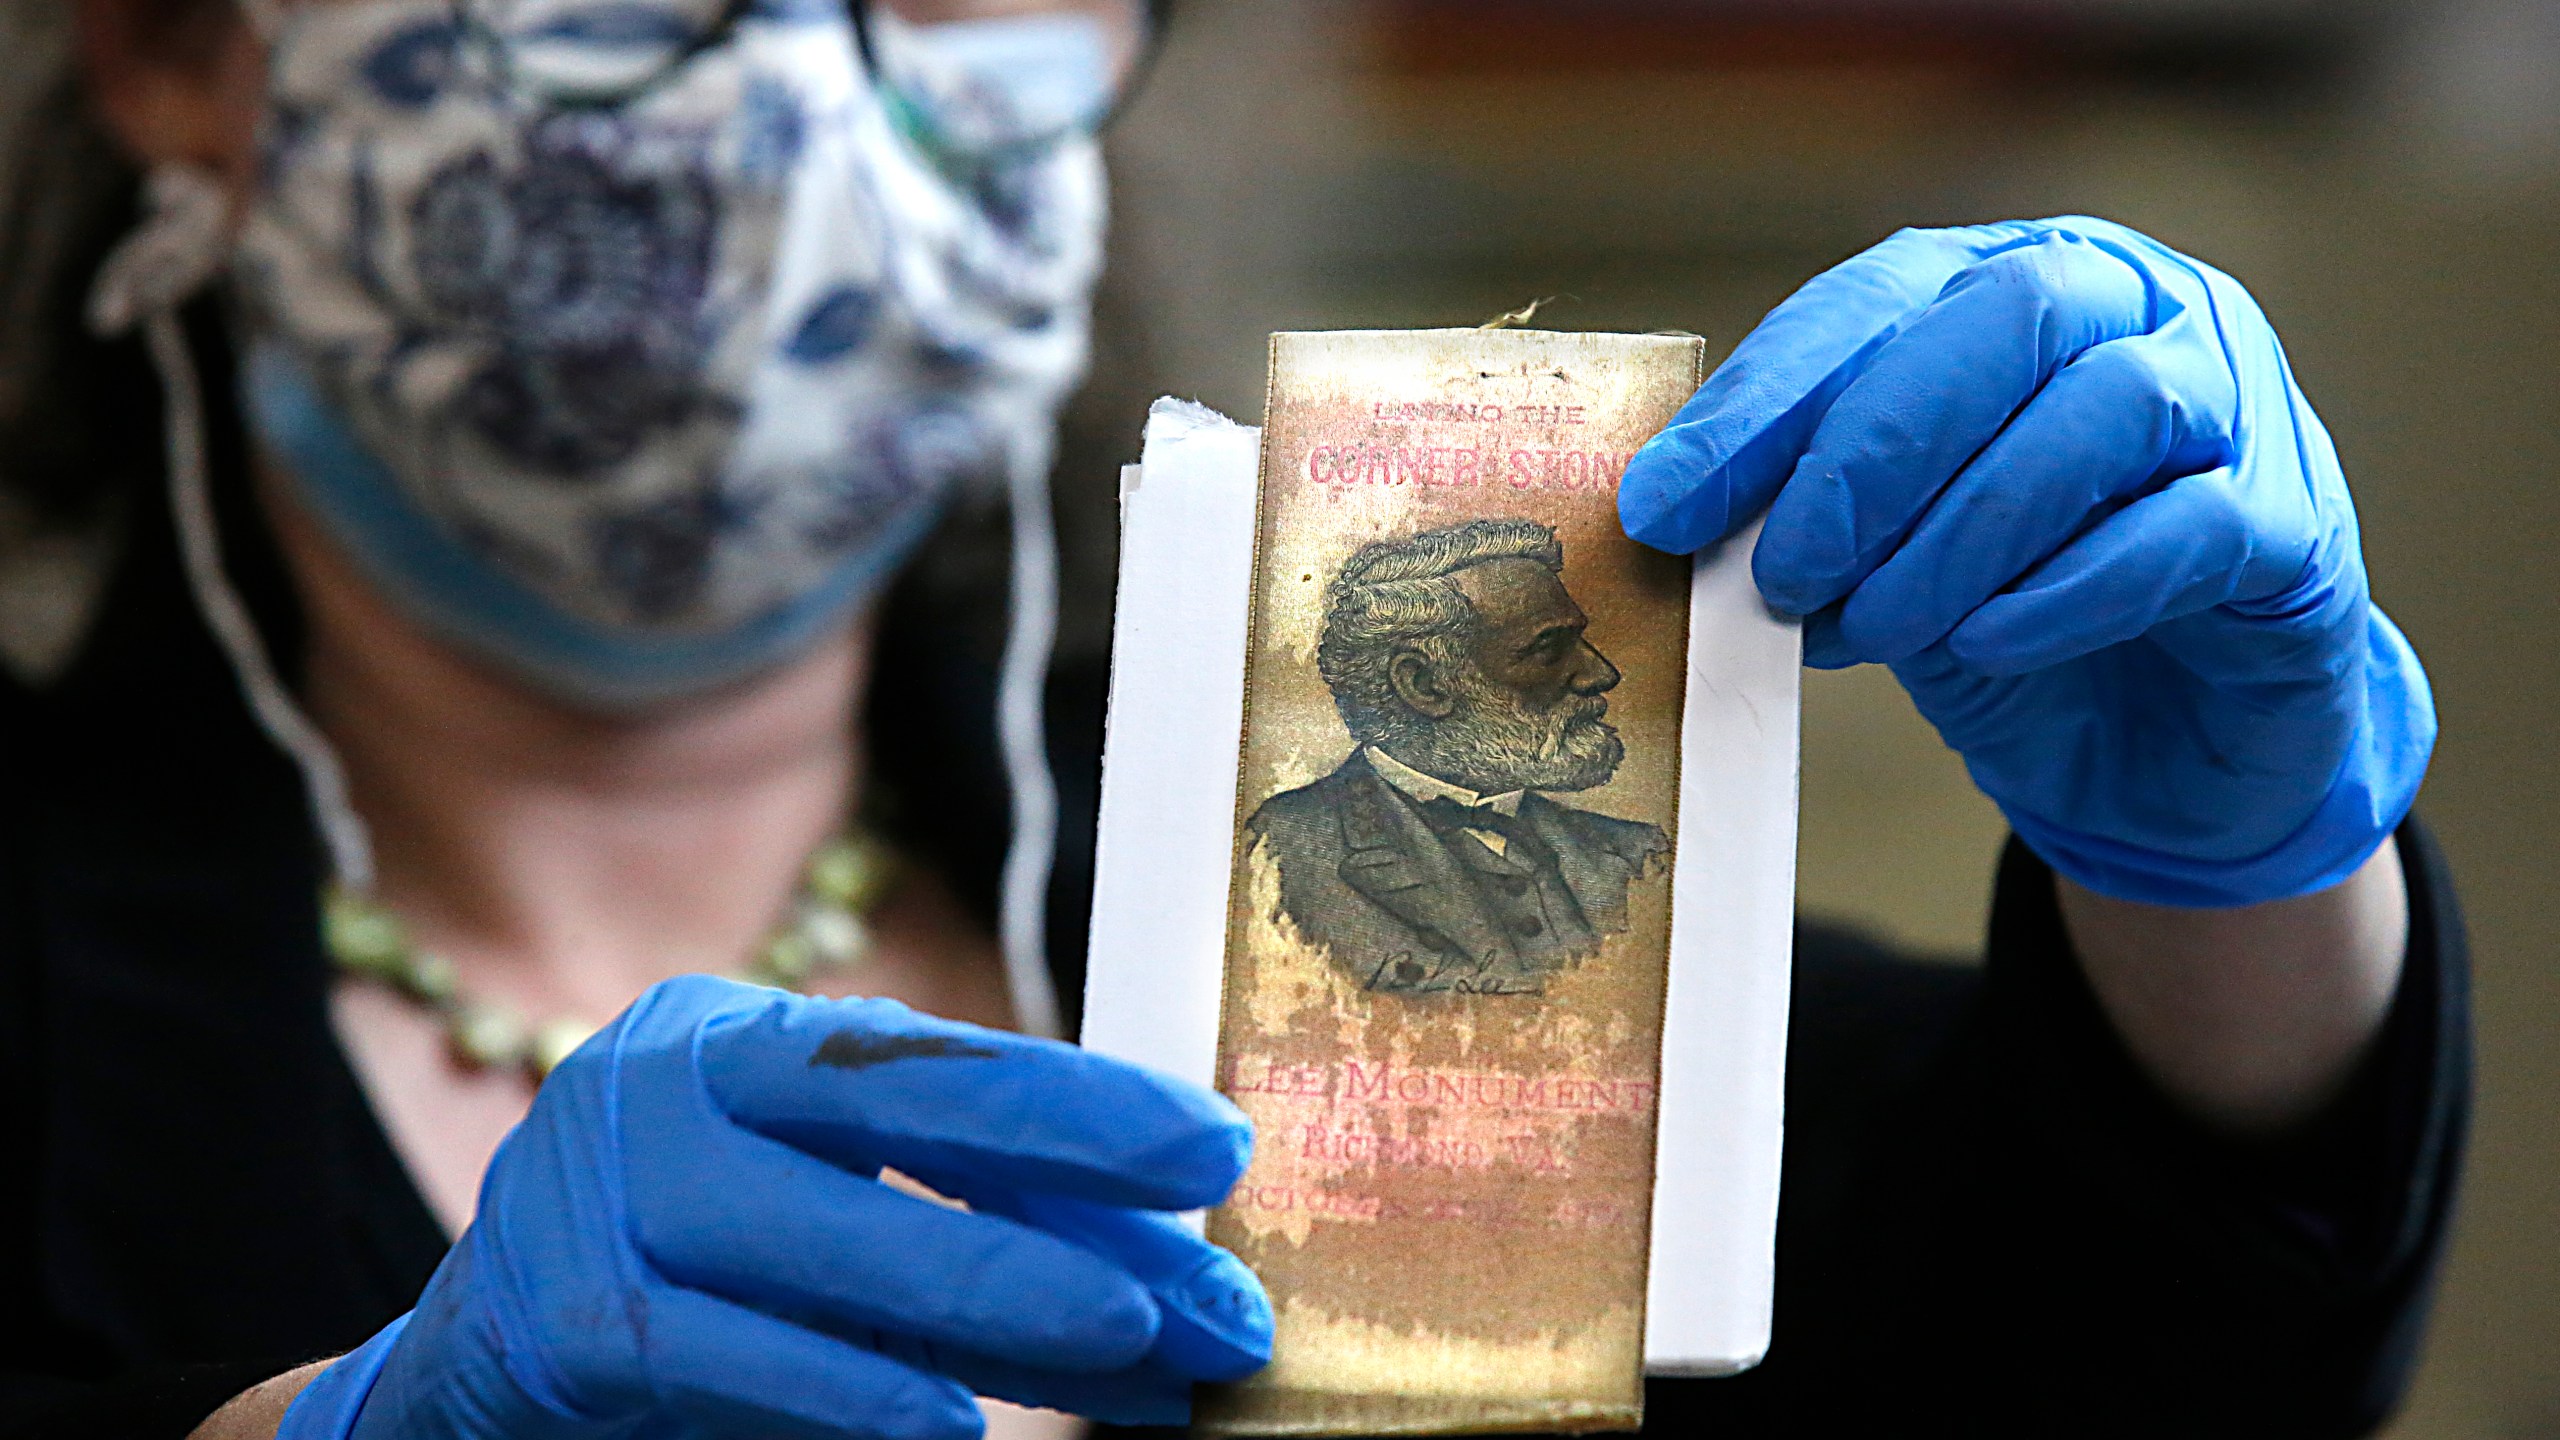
<point x="2059" y="477"/>
<point x="686" y="1237"/>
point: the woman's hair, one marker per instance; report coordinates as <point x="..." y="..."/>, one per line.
<point x="1400" y="594"/>
<point x="77" y="414"/>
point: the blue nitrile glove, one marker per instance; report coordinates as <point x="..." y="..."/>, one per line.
<point x="2059" y="477"/>
<point x="686" y="1237"/>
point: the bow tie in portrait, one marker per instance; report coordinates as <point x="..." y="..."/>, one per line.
<point x="1446" y="814"/>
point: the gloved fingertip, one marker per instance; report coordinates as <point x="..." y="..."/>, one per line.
<point x="1196" y="1171"/>
<point x="1784" y="578"/>
<point x="1217" y="1322"/>
<point x="1124" y="1331"/>
<point x="1673" y="496"/>
<point x="1825" y="648"/>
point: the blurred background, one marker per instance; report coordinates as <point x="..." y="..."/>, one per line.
<point x="2384" y="174"/>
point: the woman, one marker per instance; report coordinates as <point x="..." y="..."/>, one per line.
<point x="594" y="364"/>
<point x="598" y="743"/>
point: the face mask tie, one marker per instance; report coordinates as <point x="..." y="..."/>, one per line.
<point x="173" y="254"/>
<point x="1022" y="736"/>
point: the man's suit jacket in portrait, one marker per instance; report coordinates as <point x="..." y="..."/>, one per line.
<point x="1416" y="895"/>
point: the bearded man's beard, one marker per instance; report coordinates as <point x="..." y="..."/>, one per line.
<point x="1496" y="742"/>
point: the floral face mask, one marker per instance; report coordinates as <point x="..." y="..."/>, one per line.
<point x="638" y="399"/>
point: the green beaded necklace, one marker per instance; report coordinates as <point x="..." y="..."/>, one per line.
<point x="826" y="932"/>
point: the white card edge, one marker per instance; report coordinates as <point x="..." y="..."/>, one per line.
<point x="1194" y="485"/>
<point x="1712" y="1271"/>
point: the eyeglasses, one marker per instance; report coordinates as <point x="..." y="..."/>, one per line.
<point x="970" y="82"/>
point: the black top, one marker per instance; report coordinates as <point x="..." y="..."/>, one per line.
<point x="1991" y="1223"/>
